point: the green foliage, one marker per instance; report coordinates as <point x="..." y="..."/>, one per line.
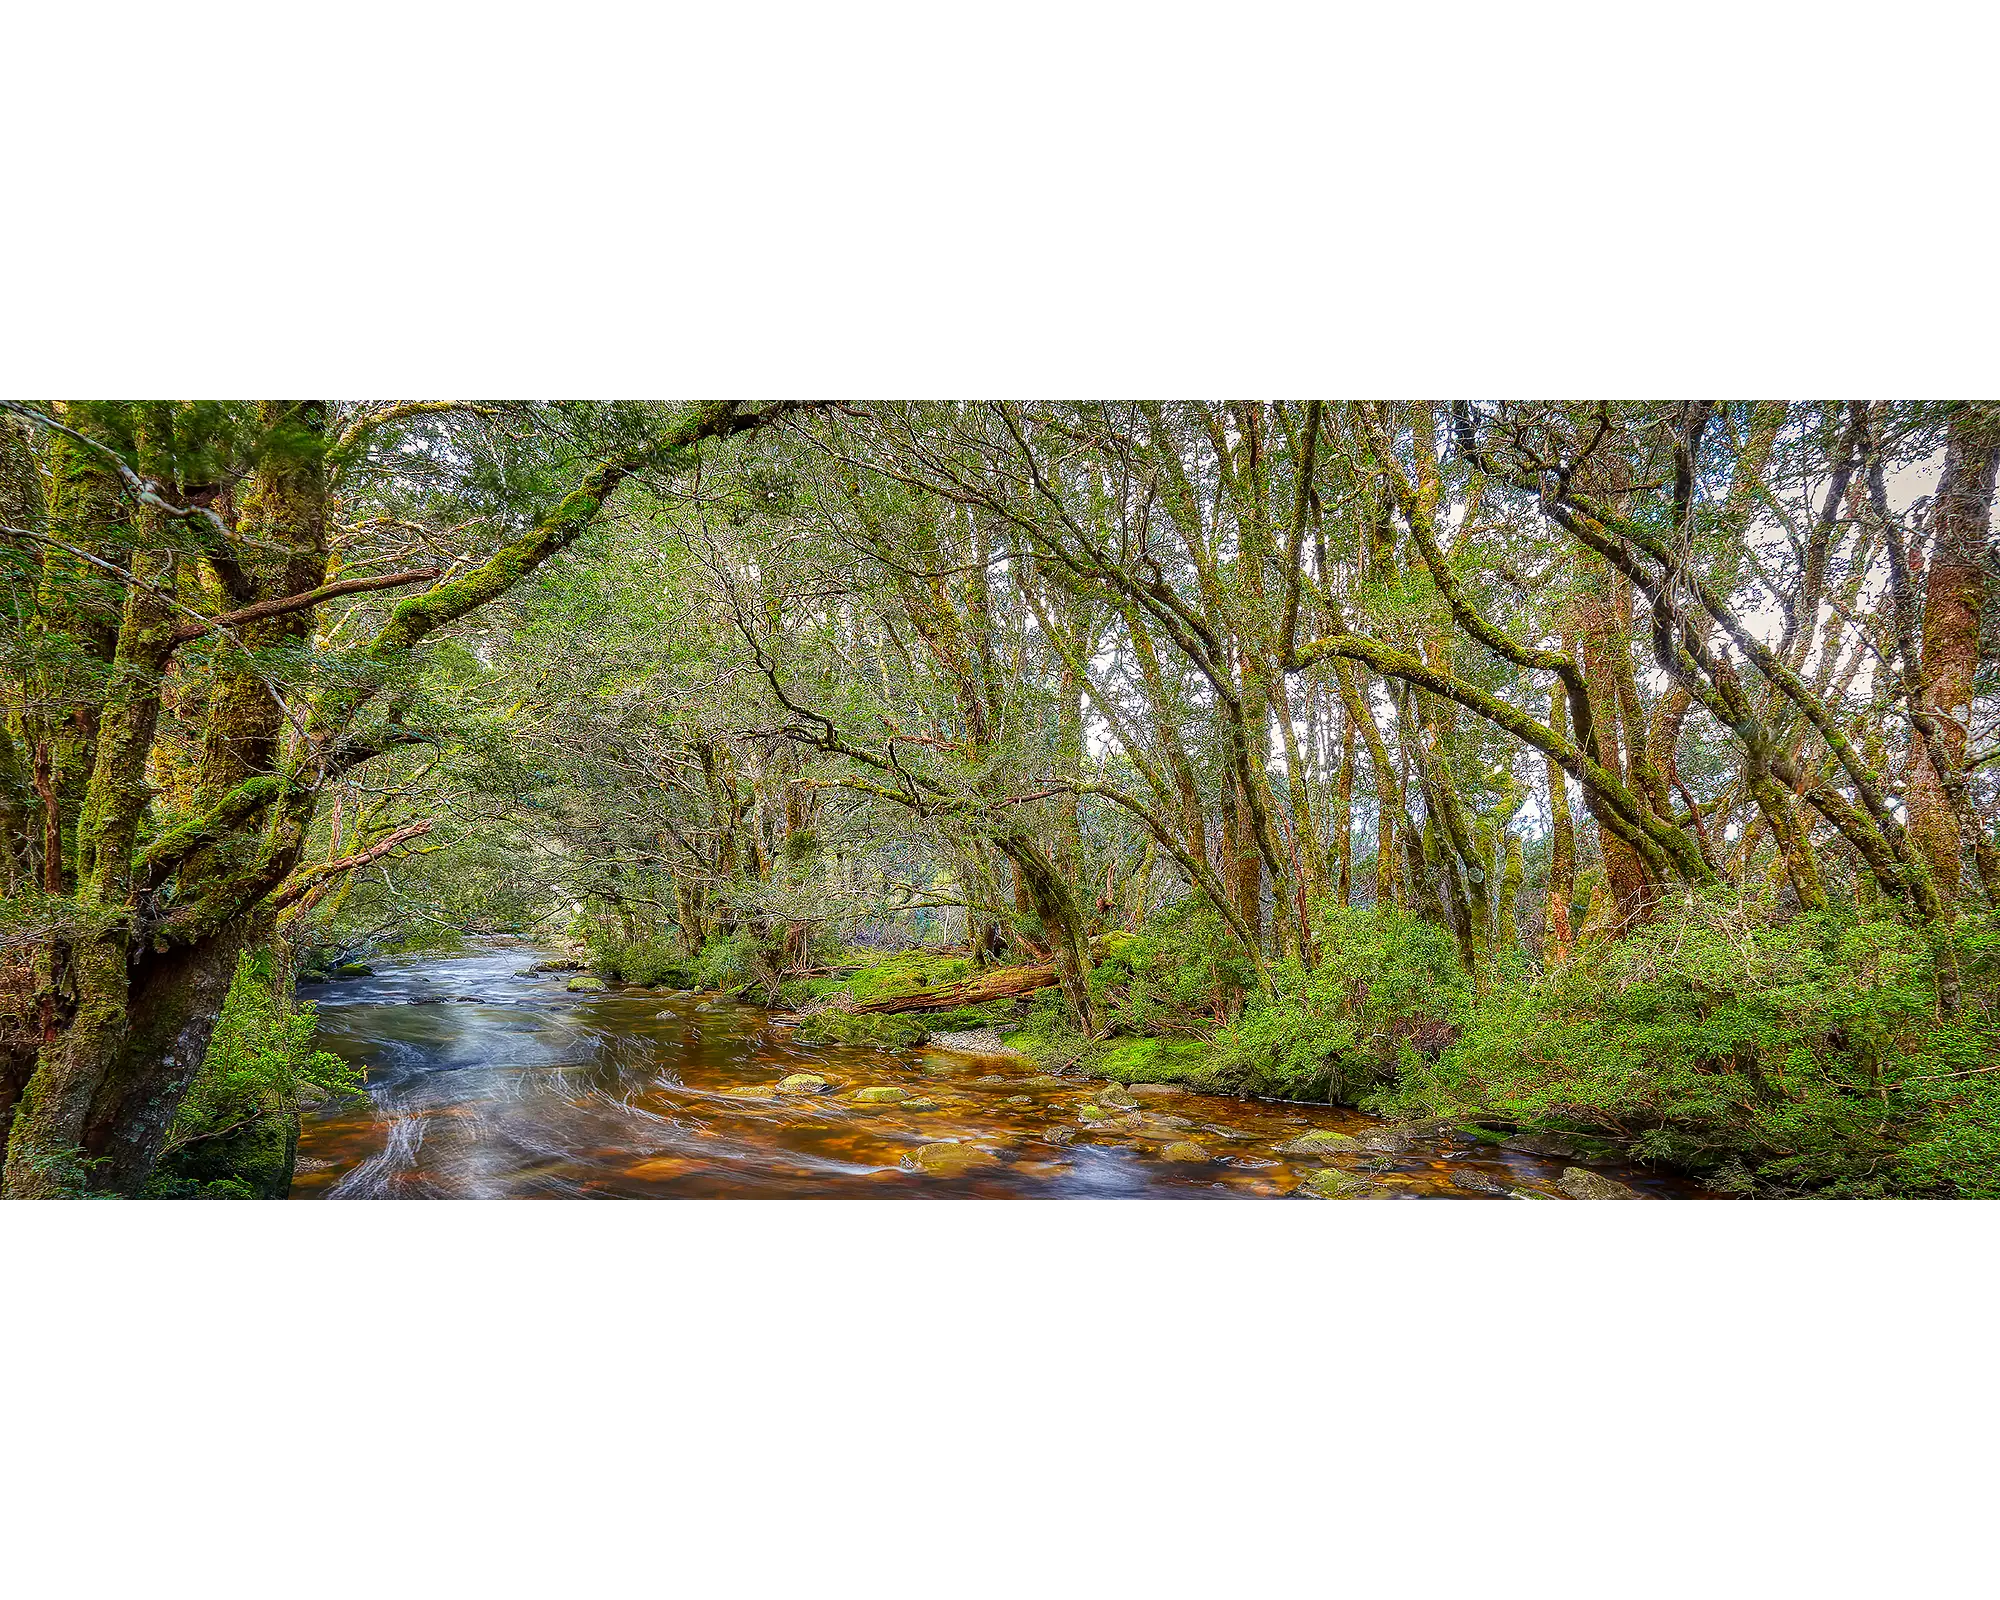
<point x="426" y="938"/>
<point x="1807" y="1055"/>
<point x="652" y="959"/>
<point x="907" y="972"/>
<point x="724" y="962"/>
<point x="236" y="1133"/>
<point x="1386" y="993"/>
<point x="1185" y="963"/>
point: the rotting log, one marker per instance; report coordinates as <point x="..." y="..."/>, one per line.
<point x="1001" y="985"/>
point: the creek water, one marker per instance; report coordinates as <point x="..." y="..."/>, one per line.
<point x="488" y="1080"/>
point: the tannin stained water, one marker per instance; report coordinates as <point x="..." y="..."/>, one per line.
<point x="488" y="1081"/>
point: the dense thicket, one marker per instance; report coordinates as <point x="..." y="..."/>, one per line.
<point x="1625" y="769"/>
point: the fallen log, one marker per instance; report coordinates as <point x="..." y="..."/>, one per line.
<point x="1001" y="985"/>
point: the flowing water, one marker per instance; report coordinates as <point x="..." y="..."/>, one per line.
<point x="488" y="1080"/>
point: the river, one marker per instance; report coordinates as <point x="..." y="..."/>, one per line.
<point x="487" y="1080"/>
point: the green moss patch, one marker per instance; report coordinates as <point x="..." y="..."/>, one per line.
<point x="1157" y="1061"/>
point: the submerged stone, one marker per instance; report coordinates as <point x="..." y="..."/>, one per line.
<point x="942" y="1160"/>
<point x="1123" y="1099"/>
<point x="919" y="1105"/>
<point x="1184" y="1150"/>
<point x="880" y="1094"/>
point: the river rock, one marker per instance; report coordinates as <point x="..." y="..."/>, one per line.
<point x="1184" y="1150"/>
<point x="1123" y="1099"/>
<point x="585" y="985"/>
<point x="705" y="1006"/>
<point x="880" y="1095"/>
<point x="1093" y="1113"/>
<point x="972" y="1042"/>
<point x="803" y="1083"/>
<point x="918" y="1105"/>
<point x="1333" y="1184"/>
<point x="1476" y="1182"/>
<point x="1018" y="1100"/>
<point x="1319" y="1142"/>
<point x="1153" y="1122"/>
<point x="1580" y="1184"/>
<point x="945" y="1159"/>
<point x="1154" y="1091"/>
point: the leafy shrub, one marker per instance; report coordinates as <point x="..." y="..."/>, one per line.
<point x="724" y="962"/>
<point x="236" y="1133"/>
<point x="1387" y="991"/>
<point x="1807" y="1055"/>
<point x="652" y="959"/>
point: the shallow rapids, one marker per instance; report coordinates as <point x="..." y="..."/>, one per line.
<point x="486" y="1080"/>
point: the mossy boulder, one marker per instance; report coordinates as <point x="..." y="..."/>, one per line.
<point x="1184" y="1150"/>
<point x="1333" y="1184"/>
<point x="918" y="1104"/>
<point x="881" y="1095"/>
<point x="585" y="984"/>
<point x="1123" y="1099"/>
<point x="1319" y="1142"/>
<point x="354" y="969"/>
<point x="803" y="1083"/>
<point x="1580" y="1184"/>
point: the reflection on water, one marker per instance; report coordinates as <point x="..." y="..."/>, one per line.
<point x="485" y="1080"/>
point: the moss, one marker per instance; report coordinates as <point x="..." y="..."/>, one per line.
<point x="1158" y="1061"/>
<point x="236" y="1133"/>
<point x="884" y="1031"/>
<point x="910" y="972"/>
<point x="253" y="1163"/>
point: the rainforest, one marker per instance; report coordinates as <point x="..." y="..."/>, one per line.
<point x="1333" y="799"/>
